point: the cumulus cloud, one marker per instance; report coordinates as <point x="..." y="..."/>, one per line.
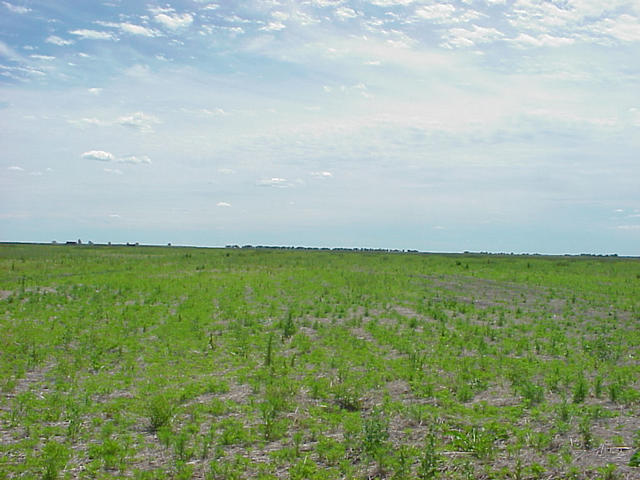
<point x="16" y="168"/>
<point x="95" y="91"/>
<point x="139" y="121"/>
<point x="61" y="42"/>
<point x="174" y="21"/>
<point x="223" y="204"/>
<point x="99" y="155"/>
<point x="87" y="34"/>
<point x="16" y="8"/>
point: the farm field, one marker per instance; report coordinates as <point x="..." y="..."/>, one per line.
<point x="172" y="362"/>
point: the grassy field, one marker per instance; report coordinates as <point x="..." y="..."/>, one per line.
<point x="149" y="363"/>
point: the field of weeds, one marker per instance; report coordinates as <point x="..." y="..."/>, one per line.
<point x="152" y="363"/>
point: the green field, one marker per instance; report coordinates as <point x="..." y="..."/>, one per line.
<point x="150" y="362"/>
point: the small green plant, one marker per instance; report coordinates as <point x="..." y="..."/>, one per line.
<point x="55" y="456"/>
<point x="614" y="390"/>
<point x="533" y="394"/>
<point x="159" y="412"/>
<point x="330" y="450"/>
<point x="585" y="432"/>
<point x="429" y="460"/>
<point x="564" y="412"/>
<point x="268" y="357"/>
<point x="608" y="472"/>
<point x="375" y="432"/>
<point x="288" y="325"/>
<point x="110" y="452"/>
<point x="580" y="390"/>
<point x="597" y="386"/>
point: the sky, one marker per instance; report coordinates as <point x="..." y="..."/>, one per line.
<point x="479" y="125"/>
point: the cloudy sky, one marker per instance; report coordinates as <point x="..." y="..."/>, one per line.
<point x="497" y="125"/>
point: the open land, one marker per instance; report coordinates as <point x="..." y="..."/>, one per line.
<point x="167" y="362"/>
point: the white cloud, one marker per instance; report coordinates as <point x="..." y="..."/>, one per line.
<point x="440" y="12"/>
<point x="8" y="52"/>
<point x="138" y="71"/>
<point x="174" y="21"/>
<point x="322" y="174"/>
<point x="328" y="3"/>
<point x="391" y="3"/>
<point x="139" y="121"/>
<point x="61" y="42"/>
<point x="87" y="34"/>
<point x="462" y="37"/>
<point x="624" y="28"/>
<point x="226" y="171"/>
<point x="629" y="227"/>
<point x="136" y="160"/>
<point x="95" y="91"/>
<point x="92" y="121"/>
<point x="223" y="204"/>
<point x="114" y="215"/>
<point x="543" y="40"/>
<point x="138" y="30"/>
<point x="102" y="156"/>
<point x="16" y="8"/>
<point x="113" y="171"/>
<point x="273" y="27"/>
<point x="99" y="155"/>
<point x="344" y="13"/>
<point x="273" y="182"/>
<point x="47" y="58"/>
<point x="16" y="168"/>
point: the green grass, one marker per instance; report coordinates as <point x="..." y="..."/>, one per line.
<point x="158" y="362"/>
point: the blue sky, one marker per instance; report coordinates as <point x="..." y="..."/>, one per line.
<point x="482" y="125"/>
